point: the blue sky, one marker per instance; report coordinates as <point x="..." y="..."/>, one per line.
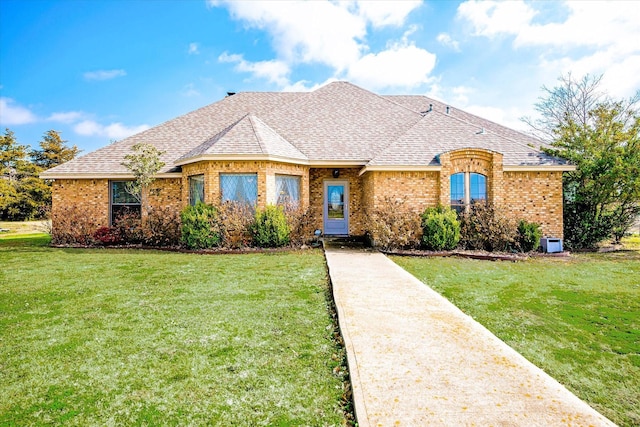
<point x="101" y="70"/>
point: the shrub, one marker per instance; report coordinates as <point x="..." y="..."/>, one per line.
<point x="392" y="226"/>
<point x="107" y="236"/>
<point x="161" y="227"/>
<point x="484" y="227"/>
<point x="529" y="235"/>
<point x="200" y="226"/>
<point x="440" y="228"/>
<point x="301" y="224"/>
<point x="72" y="226"/>
<point x="235" y="218"/>
<point x="270" y="228"/>
<point x="128" y="226"/>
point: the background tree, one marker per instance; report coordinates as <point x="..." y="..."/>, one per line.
<point x="144" y="162"/>
<point x="600" y="137"/>
<point x="13" y="157"/>
<point x="53" y="152"/>
<point x="23" y="194"/>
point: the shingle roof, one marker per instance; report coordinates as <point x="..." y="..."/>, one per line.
<point x="247" y="136"/>
<point x="338" y="122"/>
<point x="438" y="133"/>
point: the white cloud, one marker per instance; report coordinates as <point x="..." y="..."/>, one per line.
<point x="189" y="90"/>
<point x="13" y="114"/>
<point x="385" y="13"/>
<point x="491" y="18"/>
<point x="399" y="66"/>
<point x="303" y="85"/>
<point x="193" y="49"/>
<point x="66" y="116"/>
<point x="332" y="34"/>
<point x="509" y="117"/>
<point x="321" y="32"/>
<point x="446" y="40"/>
<point x="589" y="37"/>
<point x="104" y="74"/>
<point x="274" y="71"/>
<point x="112" y="131"/>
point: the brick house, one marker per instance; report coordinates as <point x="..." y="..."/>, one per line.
<point x="337" y="150"/>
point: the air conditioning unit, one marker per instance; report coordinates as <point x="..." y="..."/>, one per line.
<point x="551" y="244"/>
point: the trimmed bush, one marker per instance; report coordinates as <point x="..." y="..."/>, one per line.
<point x="72" y="226"/>
<point x="392" y="226"/>
<point x="128" y="226"/>
<point x="200" y="226"/>
<point x="301" y="223"/>
<point x="529" y="235"/>
<point x="270" y="228"/>
<point x="235" y="218"/>
<point x="440" y="228"/>
<point x="486" y="228"/>
<point x="161" y="227"/>
<point x="107" y="236"/>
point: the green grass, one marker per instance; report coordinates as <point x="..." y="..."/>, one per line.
<point x="24" y="227"/>
<point x="126" y="337"/>
<point x="579" y="320"/>
<point x="632" y="242"/>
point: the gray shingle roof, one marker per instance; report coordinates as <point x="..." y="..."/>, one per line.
<point x="338" y="122"/>
<point x="247" y="136"/>
<point x="438" y="133"/>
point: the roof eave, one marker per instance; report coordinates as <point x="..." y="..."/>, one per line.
<point x="400" y="168"/>
<point x="538" y="168"/>
<point x="240" y="157"/>
<point x="102" y="175"/>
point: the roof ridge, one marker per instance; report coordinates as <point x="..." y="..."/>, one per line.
<point x="211" y="141"/>
<point x="395" y="141"/>
<point x="383" y="97"/>
<point x="261" y="144"/>
<point x="482" y="128"/>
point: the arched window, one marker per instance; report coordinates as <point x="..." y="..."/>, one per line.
<point x="467" y="188"/>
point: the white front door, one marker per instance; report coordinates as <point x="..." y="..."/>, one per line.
<point x="336" y="207"/>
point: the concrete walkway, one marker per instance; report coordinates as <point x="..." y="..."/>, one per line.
<point x="417" y="360"/>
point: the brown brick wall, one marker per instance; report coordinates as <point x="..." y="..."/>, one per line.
<point x="90" y="196"/>
<point x="418" y="190"/>
<point x="166" y="192"/>
<point x="536" y="197"/>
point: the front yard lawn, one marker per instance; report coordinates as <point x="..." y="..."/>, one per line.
<point x="128" y="337"/>
<point x="577" y="319"/>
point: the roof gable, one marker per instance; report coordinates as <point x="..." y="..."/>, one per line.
<point x="247" y="136"/>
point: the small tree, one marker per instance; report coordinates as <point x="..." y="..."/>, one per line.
<point x="601" y="137"/>
<point x="144" y="163"/>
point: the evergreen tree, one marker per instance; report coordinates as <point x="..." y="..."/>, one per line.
<point x="13" y="157"/>
<point x="54" y="151"/>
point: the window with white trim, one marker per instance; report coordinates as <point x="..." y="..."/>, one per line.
<point x="466" y="188"/>
<point x="122" y="200"/>
<point x="239" y="187"/>
<point x="287" y="190"/>
<point x="196" y="189"/>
